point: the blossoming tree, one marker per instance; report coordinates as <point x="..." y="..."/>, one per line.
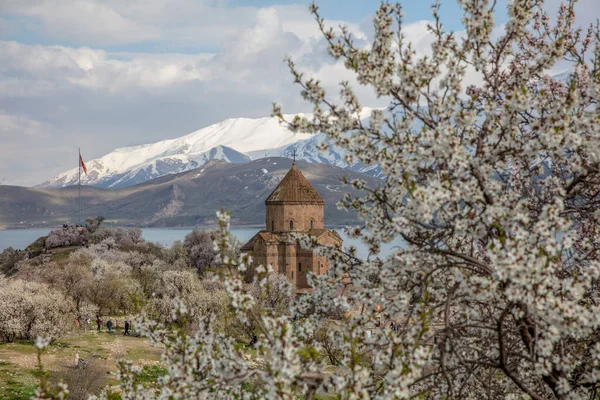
<point x="494" y="189"/>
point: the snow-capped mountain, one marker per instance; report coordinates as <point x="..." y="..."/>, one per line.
<point x="125" y="167"/>
<point x="226" y="140"/>
<point x="306" y="150"/>
<point x="235" y="140"/>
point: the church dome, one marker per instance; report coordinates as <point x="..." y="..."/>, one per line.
<point x="294" y="188"/>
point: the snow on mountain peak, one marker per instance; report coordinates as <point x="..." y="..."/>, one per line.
<point x="226" y="140"/>
<point x="229" y="140"/>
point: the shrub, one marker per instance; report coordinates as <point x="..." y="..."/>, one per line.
<point x="32" y="309"/>
<point x="110" y="251"/>
<point x="121" y="236"/>
<point x="275" y="293"/>
<point x="201" y="299"/>
<point x="149" y="277"/>
<point x="71" y="276"/>
<point x="113" y="289"/>
<point x="67" y="236"/>
<point x="200" y="249"/>
<point x="92" y="224"/>
<point x="177" y="256"/>
<point x="89" y="378"/>
<point x="9" y="259"/>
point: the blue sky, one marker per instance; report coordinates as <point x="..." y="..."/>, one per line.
<point x="356" y="10"/>
<point x="103" y="74"/>
<point x="27" y="29"/>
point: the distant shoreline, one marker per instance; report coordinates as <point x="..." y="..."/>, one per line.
<point x="6" y="228"/>
<point x="232" y="226"/>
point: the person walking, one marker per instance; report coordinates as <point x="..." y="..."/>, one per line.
<point x="253" y="342"/>
<point x="109" y="325"/>
<point x="99" y="322"/>
<point x="126" y="333"/>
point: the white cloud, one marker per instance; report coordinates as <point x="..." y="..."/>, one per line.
<point x="86" y="21"/>
<point x="25" y="146"/>
<point x="586" y="11"/>
<point x="101" y="100"/>
<point x="56" y="98"/>
<point x="173" y="23"/>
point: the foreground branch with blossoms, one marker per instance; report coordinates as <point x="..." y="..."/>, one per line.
<point x="494" y="189"/>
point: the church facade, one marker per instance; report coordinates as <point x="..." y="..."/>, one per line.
<point x="294" y="206"/>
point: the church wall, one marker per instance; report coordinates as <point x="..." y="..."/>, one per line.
<point x="292" y="260"/>
<point x="286" y="258"/>
<point x="282" y="260"/>
<point x="306" y="261"/>
<point x="330" y="240"/>
<point x="273" y="256"/>
<point x="274" y="218"/>
<point x="304" y="264"/>
<point x="279" y="216"/>
<point x="259" y="254"/>
<point x="320" y="265"/>
<point x="265" y="254"/>
<point x="288" y="254"/>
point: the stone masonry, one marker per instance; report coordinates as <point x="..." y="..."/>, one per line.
<point x="294" y="206"/>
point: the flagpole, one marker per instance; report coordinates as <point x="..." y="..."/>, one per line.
<point x="79" y="168"/>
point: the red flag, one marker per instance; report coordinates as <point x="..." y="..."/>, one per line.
<point x="82" y="164"/>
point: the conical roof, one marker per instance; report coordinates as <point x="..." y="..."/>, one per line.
<point x="294" y="188"/>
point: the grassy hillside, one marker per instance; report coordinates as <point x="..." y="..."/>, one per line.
<point x="18" y="362"/>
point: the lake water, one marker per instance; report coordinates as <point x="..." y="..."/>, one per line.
<point x="21" y="238"/>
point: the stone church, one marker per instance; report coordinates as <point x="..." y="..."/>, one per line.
<point x="294" y="206"/>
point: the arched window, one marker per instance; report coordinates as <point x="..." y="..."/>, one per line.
<point x="300" y="267"/>
<point x="292" y="274"/>
<point x="311" y="223"/>
<point x="272" y="226"/>
<point x="291" y="225"/>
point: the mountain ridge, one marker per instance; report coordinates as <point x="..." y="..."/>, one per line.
<point x="188" y="198"/>
<point x="236" y="140"/>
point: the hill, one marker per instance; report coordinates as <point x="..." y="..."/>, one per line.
<point x="186" y="199"/>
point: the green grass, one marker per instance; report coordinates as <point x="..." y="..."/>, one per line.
<point x="150" y="374"/>
<point x="243" y="346"/>
<point x="25" y="348"/>
<point x="15" y="382"/>
<point x="18" y="393"/>
<point x="62" y="253"/>
<point x="18" y="361"/>
<point x="141" y="354"/>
